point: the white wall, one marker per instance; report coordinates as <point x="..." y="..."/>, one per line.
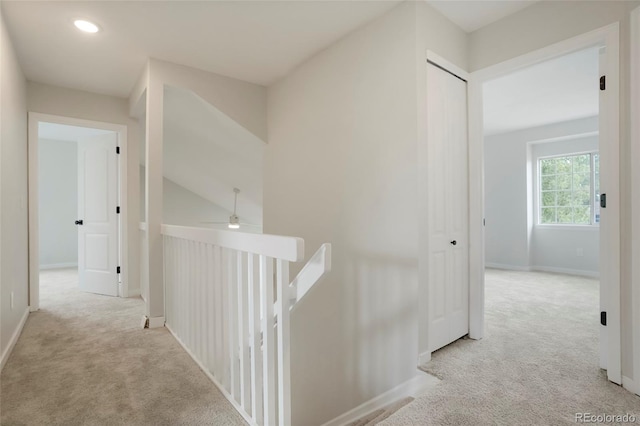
<point x="58" y="202"/>
<point x="341" y="167"/>
<point x="13" y="189"/>
<point x="186" y="208"/>
<point x="512" y="240"/>
<point x="569" y="249"/>
<point x="210" y="154"/>
<point x="545" y="23"/>
<point x="506" y="201"/>
<point x="89" y="106"/>
<point x="183" y="207"/>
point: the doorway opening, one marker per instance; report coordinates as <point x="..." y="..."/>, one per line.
<point x="542" y="204"/>
<point x="77" y="182"/>
<point x="545" y="183"/>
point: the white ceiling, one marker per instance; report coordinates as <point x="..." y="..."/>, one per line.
<point x="210" y="154"/>
<point x="561" y="89"/>
<point x="473" y="15"/>
<point x="255" y="41"/>
<point x="63" y="132"/>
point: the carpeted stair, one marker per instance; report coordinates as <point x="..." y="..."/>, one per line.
<point x="377" y="416"/>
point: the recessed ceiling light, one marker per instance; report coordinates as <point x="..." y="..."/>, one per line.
<point x="86" y="26"/>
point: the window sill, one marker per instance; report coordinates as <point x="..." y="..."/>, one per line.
<point x="567" y="227"/>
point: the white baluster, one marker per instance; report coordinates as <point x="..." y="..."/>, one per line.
<point x="268" y="340"/>
<point x="232" y="324"/>
<point x="284" y="361"/>
<point x="202" y="303"/>
<point x="193" y="341"/>
<point x="218" y="311"/>
<point x="253" y="270"/>
<point x="243" y="332"/>
<point x="224" y="306"/>
<point x="182" y="329"/>
<point x="211" y="324"/>
<point x="185" y="292"/>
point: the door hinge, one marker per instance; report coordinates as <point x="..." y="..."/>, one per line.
<point x="117" y="150"/>
<point x="603" y="318"/>
<point x="603" y="82"/>
<point x="118" y="210"/>
<point x="603" y="201"/>
<point x="118" y="270"/>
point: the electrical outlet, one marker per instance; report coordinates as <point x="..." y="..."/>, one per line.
<point x="11" y="300"/>
<point x="579" y="252"/>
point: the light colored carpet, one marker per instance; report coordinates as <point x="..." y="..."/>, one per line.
<point x="537" y="365"/>
<point x="380" y="415"/>
<point x="83" y="359"/>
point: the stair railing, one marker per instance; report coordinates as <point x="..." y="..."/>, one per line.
<point x="228" y="301"/>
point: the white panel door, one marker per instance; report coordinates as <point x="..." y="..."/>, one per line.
<point x="448" y="212"/>
<point x="97" y="218"/>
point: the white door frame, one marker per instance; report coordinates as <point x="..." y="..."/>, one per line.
<point x="34" y="232"/>
<point x="609" y="131"/>
<point x="634" y="384"/>
<point x="424" y="354"/>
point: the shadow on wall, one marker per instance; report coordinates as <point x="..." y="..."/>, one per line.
<point x="365" y="319"/>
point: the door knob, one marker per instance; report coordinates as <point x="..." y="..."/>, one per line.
<point x="79" y="222"/>
<point x="453" y="243"/>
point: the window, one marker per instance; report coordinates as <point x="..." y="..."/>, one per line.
<point x="569" y="189"/>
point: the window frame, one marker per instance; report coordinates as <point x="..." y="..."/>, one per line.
<point x="595" y="225"/>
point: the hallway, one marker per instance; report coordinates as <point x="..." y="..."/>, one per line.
<point x="84" y="359"/>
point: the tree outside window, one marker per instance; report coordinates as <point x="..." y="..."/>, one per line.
<point x="569" y="189"/>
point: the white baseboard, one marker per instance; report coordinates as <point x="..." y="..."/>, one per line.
<point x="58" y="266"/>
<point x="14" y="339"/>
<point x="414" y="387"/>
<point x="631" y="385"/>
<point x="156" y="322"/>
<point x="507" y="267"/>
<point x="424" y="358"/>
<point x="206" y="371"/>
<point x="580" y="272"/>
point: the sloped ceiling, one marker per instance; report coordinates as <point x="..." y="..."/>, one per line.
<point x="210" y="154"/>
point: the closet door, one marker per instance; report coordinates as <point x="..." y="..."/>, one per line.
<point x="448" y="212"/>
